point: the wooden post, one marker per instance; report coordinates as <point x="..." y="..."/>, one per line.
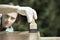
<point x="33" y="35"/>
<point x="33" y="26"/>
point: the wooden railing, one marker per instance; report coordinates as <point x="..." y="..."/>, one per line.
<point x="14" y="35"/>
<point x="24" y="36"/>
<point x="49" y="38"/>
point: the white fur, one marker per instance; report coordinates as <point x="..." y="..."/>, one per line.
<point x="29" y="12"/>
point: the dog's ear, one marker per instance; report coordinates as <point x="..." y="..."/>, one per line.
<point x="28" y="12"/>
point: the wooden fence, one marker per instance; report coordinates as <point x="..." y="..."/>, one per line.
<point x="24" y="36"/>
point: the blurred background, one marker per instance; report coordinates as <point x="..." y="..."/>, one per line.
<point x="48" y="12"/>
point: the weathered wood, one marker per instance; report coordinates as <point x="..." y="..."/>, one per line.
<point x="33" y="36"/>
<point x="14" y="35"/>
<point x="18" y="36"/>
<point x="49" y="38"/>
